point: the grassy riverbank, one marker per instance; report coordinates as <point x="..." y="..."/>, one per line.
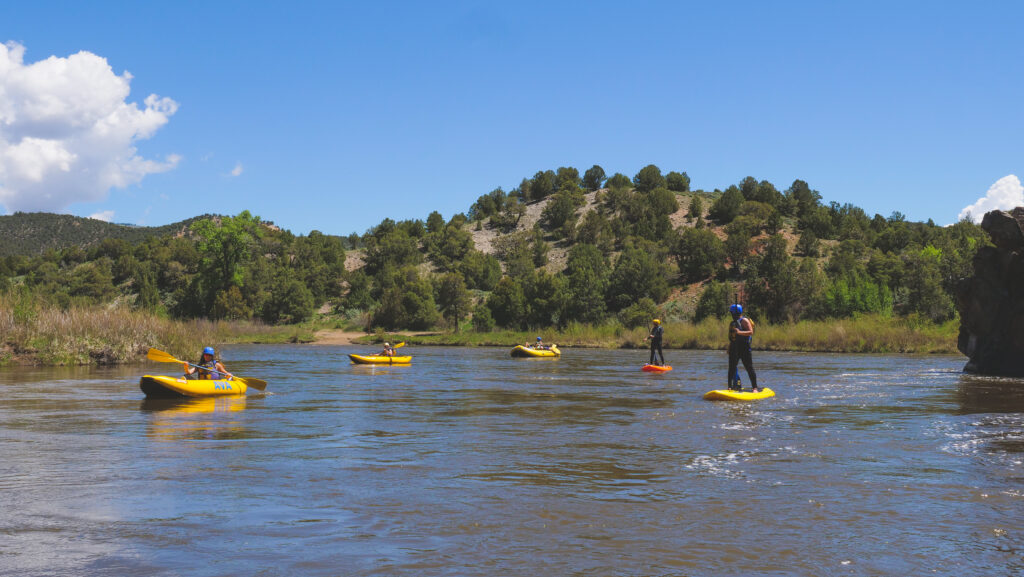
<point x="869" y="334"/>
<point x="32" y="333"/>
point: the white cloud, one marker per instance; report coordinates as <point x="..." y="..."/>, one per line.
<point x="67" y="133"/>
<point x="1005" y="194"/>
<point x="105" y="216"/>
<point x="237" y="170"/>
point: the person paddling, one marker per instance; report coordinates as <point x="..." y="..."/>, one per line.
<point x="656" y="334"/>
<point x="539" y="345"/>
<point x="741" y="335"/>
<point x="388" y="351"/>
<point x="208" y="367"/>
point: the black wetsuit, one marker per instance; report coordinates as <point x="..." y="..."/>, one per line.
<point x="739" y="350"/>
<point x="656" y="334"/>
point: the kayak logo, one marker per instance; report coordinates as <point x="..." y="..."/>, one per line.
<point x="222" y="387"/>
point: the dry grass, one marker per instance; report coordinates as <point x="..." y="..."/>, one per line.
<point x="31" y="333"/>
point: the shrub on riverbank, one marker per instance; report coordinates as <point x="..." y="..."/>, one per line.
<point x="34" y="333"/>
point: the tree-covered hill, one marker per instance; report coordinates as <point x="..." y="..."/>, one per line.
<point x="559" y="249"/>
<point x="33" y="233"/>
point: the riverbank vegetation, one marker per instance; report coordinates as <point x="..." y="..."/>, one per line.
<point x="863" y="334"/>
<point x="590" y="258"/>
<point x="35" y="332"/>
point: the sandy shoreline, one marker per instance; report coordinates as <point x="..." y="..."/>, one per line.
<point x="336" y="337"/>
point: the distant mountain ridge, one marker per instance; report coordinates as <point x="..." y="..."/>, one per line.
<point x="33" y="233"/>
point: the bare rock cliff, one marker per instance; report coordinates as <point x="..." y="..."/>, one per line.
<point x="991" y="303"/>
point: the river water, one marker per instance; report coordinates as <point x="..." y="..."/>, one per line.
<point x="469" y="462"/>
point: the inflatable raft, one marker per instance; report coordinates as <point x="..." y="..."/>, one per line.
<point x="154" y="386"/>
<point x="521" y="351"/>
<point x="379" y="360"/>
<point x="729" y="395"/>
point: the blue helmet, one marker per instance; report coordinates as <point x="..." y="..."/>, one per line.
<point x="209" y="351"/>
<point x="538" y="338"/>
<point x="736" y="309"/>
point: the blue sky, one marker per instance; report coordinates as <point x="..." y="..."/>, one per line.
<point x="334" y="115"/>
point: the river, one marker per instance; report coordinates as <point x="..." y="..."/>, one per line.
<point x="469" y="462"/>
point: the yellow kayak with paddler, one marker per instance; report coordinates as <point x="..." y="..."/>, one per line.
<point x="521" y="351"/>
<point x="380" y="360"/>
<point x="159" y="386"/>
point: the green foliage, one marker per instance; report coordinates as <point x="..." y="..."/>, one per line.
<point x="453" y="298"/>
<point x="808" y="244"/>
<point x="358" y="296"/>
<point x="407" y="304"/>
<point x="543" y="185"/>
<point x="772" y="286"/>
<point x="726" y="207"/>
<point x="639" y="272"/>
<point x="481" y="271"/>
<point x="847" y="296"/>
<point x="619" y="181"/>
<point x="696" y="209"/>
<point x="700" y="253"/>
<point x="507" y="303"/>
<point x="677" y="182"/>
<point x="448" y="246"/>
<point x="567" y="178"/>
<point x="801" y="198"/>
<point x="588" y="279"/>
<point x="486" y="206"/>
<point x="596" y="230"/>
<point x="395" y="248"/>
<point x="593" y="178"/>
<point x="483" y="322"/>
<point x="648" y="179"/>
<point x="714" y="301"/>
<point x="639" y="313"/>
<point x="546" y="299"/>
<point x="559" y="216"/>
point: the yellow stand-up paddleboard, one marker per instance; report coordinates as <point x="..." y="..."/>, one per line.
<point x="730" y="395"/>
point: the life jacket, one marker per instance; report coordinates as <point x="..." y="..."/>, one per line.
<point x="207" y="370"/>
<point x="735" y="326"/>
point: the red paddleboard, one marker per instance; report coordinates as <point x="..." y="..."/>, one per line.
<point x="656" y="368"/>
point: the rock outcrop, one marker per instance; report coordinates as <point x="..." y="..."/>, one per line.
<point x="991" y="303"/>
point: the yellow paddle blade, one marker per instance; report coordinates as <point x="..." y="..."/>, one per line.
<point x="258" y="384"/>
<point x="399" y="345"/>
<point x="161" y="357"/>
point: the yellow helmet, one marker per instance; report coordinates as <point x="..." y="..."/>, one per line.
<point x="656" y="321"/>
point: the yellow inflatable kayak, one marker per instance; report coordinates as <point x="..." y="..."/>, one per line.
<point x="728" y="395"/>
<point x="160" y="386"/>
<point x="521" y="351"/>
<point x="379" y="360"/>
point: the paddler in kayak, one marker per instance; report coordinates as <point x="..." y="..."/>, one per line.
<point x="208" y="367"/>
<point x="388" y="351"/>
<point x="656" y="334"/>
<point x="540" y="346"/>
<point x="741" y="334"/>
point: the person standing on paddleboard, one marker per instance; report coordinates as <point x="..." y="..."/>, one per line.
<point x="207" y="368"/>
<point x="656" y="333"/>
<point x="741" y="334"/>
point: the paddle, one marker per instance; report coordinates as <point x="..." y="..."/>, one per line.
<point x="162" y="357"/>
